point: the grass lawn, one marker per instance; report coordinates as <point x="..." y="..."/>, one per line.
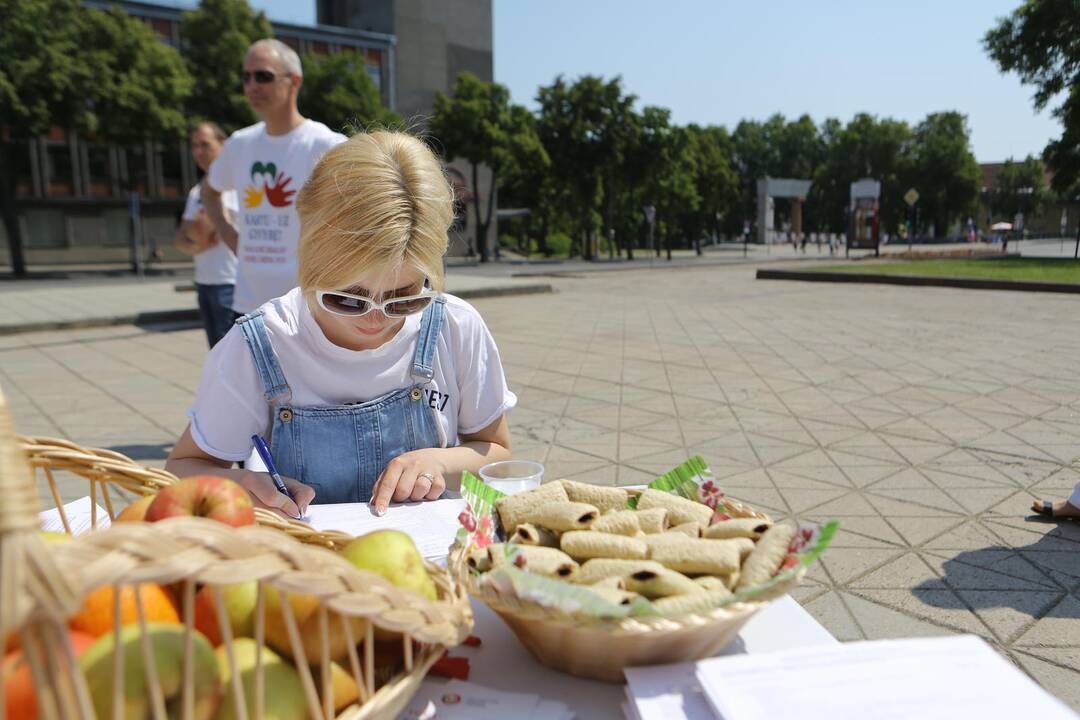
<point x="1056" y="270"/>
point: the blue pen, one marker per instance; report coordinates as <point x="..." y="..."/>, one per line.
<point x="264" y="452"/>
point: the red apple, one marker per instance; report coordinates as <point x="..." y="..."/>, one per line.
<point x="207" y="496"/>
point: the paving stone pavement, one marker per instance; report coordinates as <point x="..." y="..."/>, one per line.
<point x="924" y="419"/>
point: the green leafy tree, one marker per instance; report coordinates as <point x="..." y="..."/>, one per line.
<point x="1038" y="41"/>
<point x="478" y="123"/>
<point x="715" y="180"/>
<point x="527" y="182"/>
<point x="585" y="126"/>
<point x="215" y="37"/>
<point x="867" y="147"/>
<point x="102" y="73"/>
<point x="944" y="171"/>
<point x="339" y="92"/>
<point x="1019" y="187"/>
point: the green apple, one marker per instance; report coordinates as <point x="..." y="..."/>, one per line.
<point x="167" y="647"/>
<point x="283" y="692"/>
<point x="392" y="554"/>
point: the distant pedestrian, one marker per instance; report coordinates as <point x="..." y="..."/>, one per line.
<point x="269" y="162"/>
<point x="215" y="263"/>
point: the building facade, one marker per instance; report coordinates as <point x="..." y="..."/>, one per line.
<point x="74" y="194"/>
<point x="436" y="40"/>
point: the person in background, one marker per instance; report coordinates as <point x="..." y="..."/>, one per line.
<point x="215" y="263"/>
<point x="266" y="164"/>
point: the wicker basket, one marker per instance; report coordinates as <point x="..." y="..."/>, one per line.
<point x="105" y="469"/>
<point x="600" y="648"/>
<point x="41" y="586"/>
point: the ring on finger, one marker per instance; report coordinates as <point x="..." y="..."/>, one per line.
<point x="428" y="476"/>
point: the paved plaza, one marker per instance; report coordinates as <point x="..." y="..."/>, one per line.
<point x="924" y="419"/>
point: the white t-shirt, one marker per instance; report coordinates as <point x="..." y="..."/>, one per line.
<point x="467" y="394"/>
<point x="268" y="170"/>
<point x="216" y="265"/>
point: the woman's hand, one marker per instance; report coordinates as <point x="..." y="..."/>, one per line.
<point x="416" y="475"/>
<point x="265" y="494"/>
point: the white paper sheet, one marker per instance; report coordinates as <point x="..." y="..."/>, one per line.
<point x="431" y="524"/>
<point x="667" y="692"/>
<point x="926" y="678"/>
<point x="458" y="700"/>
<point x="78" y="515"/>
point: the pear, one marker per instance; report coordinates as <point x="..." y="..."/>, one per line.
<point x="392" y="554"/>
<point x="167" y="649"/>
<point x="284" y="697"/>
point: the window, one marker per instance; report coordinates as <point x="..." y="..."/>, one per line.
<point x="24" y="174"/>
<point x="138" y="177"/>
<point x="98" y="172"/>
<point x="59" y="176"/>
<point x="172" y="173"/>
<point x="46" y="229"/>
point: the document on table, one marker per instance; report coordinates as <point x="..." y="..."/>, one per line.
<point x="78" y="513"/>
<point x="432" y="524"/>
<point x="666" y="692"/>
<point x="926" y="678"/>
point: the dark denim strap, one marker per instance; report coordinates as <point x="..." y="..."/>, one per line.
<point x="262" y="352"/>
<point x="428" y="341"/>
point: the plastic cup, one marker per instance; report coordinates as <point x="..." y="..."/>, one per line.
<point x="513" y="476"/>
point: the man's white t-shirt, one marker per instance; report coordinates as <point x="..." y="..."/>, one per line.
<point x="467" y="394"/>
<point x="267" y="171"/>
<point x="217" y="264"/>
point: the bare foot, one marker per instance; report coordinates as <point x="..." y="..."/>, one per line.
<point x="1058" y="509"/>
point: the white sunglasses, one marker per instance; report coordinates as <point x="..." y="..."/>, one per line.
<point x="348" y="305"/>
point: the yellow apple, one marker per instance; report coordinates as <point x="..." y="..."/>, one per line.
<point x="306" y="611"/>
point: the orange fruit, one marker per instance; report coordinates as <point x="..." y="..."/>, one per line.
<point x="96" y="615"/>
<point x="20" y="699"/>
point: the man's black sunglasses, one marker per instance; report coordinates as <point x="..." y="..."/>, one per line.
<point x="263" y="77"/>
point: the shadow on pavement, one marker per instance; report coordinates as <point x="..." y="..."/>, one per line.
<point x="1002" y="576"/>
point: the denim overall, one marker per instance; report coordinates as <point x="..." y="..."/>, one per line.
<point x="340" y="450"/>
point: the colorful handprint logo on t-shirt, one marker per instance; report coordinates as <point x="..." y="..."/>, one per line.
<point x="274" y="186"/>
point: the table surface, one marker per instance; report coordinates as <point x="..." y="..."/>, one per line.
<point x="502" y="663"/>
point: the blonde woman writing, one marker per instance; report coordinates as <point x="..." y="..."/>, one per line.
<point x="370" y="383"/>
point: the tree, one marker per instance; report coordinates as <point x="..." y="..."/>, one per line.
<point x="585" y="128"/>
<point x="867" y="147"/>
<point x="102" y="73"/>
<point x="478" y="123"/>
<point x="1038" y="41"/>
<point x="1019" y="187"/>
<point x="527" y="182"/>
<point x="716" y="183"/>
<point x="339" y="92"/>
<point x="943" y="170"/>
<point x="215" y="38"/>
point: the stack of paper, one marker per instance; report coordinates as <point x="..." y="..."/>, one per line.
<point x="432" y="524"/>
<point x="665" y="692"/>
<point x="458" y="700"/>
<point x="79" y="515"/>
<point x="925" y="678"/>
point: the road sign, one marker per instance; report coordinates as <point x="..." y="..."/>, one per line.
<point x="911" y="197"/>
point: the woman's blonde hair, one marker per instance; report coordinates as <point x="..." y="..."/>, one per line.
<point x="379" y="201"/>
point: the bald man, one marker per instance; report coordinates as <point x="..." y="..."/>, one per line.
<point x="266" y="164"/>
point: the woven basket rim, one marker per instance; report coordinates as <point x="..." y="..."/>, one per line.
<point x="639" y="625"/>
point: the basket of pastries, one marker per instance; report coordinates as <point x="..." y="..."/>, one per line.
<point x="593" y="579"/>
<point x="200" y="618"/>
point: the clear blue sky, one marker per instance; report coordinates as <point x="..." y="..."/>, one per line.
<point x="718" y="61"/>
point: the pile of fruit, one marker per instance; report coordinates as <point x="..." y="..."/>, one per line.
<point x="391" y="554"/>
<point x="657" y="553"/>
